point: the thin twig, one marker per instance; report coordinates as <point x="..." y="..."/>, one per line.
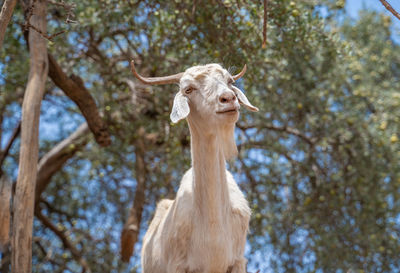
<point x="67" y="243"/>
<point x="390" y="8"/>
<point x="285" y="129"/>
<point x="48" y="37"/>
<point x="194" y="7"/>
<point x="62" y="4"/>
<point x="52" y="209"/>
<point x="68" y="7"/>
<point x="264" y="44"/>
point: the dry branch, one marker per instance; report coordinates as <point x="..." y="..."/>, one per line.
<point x="390" y="8"/>
<point x="5" y="17"/>
<point x="76" y="254"/>
<point x="73" y="87"/>
<point x="52" y="162"/>
<point x="130" y="231"/>
<point x="21" y="260"/>
<point x="4" y="153"/>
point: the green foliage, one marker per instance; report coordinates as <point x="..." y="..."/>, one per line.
<point x="318" y="163"/>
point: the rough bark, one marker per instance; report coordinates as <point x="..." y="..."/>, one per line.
<point x="52" y="162"/>
<point x="73" y="87"/>
<point x="130" y="231"/>
<point x="5" y="220"/>
<point x="21" y="260"/>
<point x="5" y="213"/>
<point x="5" y="261"/>
<point x="5" y="17"/>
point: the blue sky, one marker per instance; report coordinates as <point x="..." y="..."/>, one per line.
<point x="354" y="6"/>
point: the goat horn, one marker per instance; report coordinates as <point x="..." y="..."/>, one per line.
<point x="238" y="76"/>
<point x="156" y="80"/>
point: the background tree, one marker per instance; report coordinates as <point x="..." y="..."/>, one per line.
<point x="318" y="163"/>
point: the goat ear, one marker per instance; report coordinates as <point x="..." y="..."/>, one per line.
<point x="180" y="109"/>
<point x="243" y="100"/>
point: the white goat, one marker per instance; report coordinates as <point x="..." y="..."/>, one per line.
<point x="204" y="229"/>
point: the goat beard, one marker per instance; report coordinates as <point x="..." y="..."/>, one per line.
<point x="227" y="140"/>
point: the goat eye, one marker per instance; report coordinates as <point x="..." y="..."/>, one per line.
<point x="189" y="90"/>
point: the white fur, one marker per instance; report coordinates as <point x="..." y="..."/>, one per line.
<point x="204" y="229"/>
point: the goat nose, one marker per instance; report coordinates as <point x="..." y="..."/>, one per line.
<point x="227" y="97"/>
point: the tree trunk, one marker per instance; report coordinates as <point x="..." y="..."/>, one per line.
<point x="21" y="260"/>
<point x="5" y="17"/>
<point x="5" y="220"/>
<point x="5" y="215"/>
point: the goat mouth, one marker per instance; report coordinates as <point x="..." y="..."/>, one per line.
<point x="228" y="111"/>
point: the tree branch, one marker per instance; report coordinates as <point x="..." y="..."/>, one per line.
<point x="4" y="153"/>
<point x="130" y="231"/>
<point x="253" y="182"/>
<point x="73" y="87"/>
<point x="5" y="17"/>
<point x="51" y="162"/>
<point x="292" y="131"/>
<point x="76" y="254"/>
<point x="285" y="129"/>
<point x="390" y="8"/>
<point x="45" y="35"/>
<point x="52" y="209"/>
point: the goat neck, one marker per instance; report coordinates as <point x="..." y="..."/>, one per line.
<point x="210" y="187"/>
